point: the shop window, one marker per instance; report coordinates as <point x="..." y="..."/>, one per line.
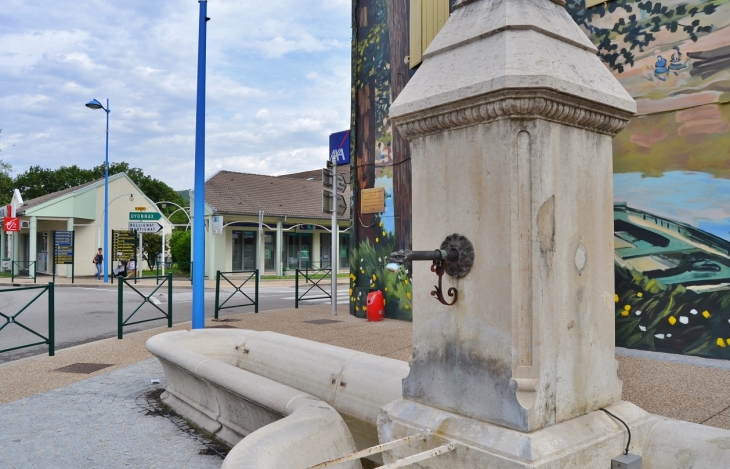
<point x="426" y="19"/>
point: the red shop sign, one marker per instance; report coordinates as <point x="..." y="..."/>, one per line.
<point x="11" y="224"/>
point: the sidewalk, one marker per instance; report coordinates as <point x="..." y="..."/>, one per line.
<point x="104" y="418"/>
<point x="178" y="282"/>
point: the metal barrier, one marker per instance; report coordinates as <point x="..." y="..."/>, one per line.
<point x="26" y="271"/>
<point x="314" y="277"/>
<point x="180" y="269"/>
<point x="121" y="322"/>
<point x="253" y="274"/>
<point x="50" y="340"/>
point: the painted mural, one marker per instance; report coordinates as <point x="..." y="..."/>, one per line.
<point x="382" y="157"/>
<point x="671" y="171"/>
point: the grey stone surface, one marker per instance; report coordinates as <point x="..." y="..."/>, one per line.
<point x="100" y="422"/>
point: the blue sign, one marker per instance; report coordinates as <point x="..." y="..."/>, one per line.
<point x="340" y="147"/>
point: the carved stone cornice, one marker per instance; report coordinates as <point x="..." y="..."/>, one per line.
<point x="543" y="104"/>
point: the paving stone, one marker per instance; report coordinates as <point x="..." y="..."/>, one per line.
<point x="97" y="423"/>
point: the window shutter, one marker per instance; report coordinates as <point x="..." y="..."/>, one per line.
<point x="426" y="19"/>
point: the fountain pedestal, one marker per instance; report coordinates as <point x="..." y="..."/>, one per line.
<point x="510" y="120"/>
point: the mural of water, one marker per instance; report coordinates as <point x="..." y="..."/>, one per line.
<point x="695" y="198"/>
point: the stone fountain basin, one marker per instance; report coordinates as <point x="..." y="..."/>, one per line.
<point x="296" y="401"/>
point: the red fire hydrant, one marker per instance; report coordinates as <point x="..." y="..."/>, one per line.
<point x="376" y="306"/>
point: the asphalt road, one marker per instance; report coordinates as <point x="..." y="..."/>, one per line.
<point x="88" y="314"/>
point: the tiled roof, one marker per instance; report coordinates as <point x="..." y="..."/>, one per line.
<point x="230" y="192"/>
<point x="316" y="174"/>
<point x="48" y="197"/>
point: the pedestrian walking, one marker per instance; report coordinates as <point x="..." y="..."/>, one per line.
<point x="98" y="260"/>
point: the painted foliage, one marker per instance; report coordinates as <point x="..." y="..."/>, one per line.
<point x="671" y="171"/>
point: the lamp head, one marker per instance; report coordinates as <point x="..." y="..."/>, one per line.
<point x="94" y="104"/>
<point x="131" y="197"/>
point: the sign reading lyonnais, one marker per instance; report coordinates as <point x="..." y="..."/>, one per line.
<point x="372" y="200"/>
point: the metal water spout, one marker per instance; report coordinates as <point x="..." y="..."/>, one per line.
<point x="454" y="257"/>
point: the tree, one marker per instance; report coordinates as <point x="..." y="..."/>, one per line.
<point x="617" y="45"/>
<point x="151" y="248"/>
<point x="180" y="246"/>
<point x="37" y="181"/>
<point x="6" y="182"/>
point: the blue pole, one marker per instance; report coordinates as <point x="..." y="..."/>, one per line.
<point x="106" y="199"/>
<point x="199" y="205"/>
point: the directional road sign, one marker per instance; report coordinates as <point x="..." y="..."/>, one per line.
<point x="145" y="227"/>
<point x="341" y="205"/>
<point x="341" y="183"/>
<point x="144" y="216"/>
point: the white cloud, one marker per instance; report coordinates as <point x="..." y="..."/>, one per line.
<point x="277" y="84"/>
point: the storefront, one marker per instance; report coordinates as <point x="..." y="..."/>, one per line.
<point x="274" y="224"/>
<point x="79" y="210"/>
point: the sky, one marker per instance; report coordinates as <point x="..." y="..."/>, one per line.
<point x="278" y="83"/>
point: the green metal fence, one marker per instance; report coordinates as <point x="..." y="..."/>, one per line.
<point x="228" y="277"/>
<point x="23" y="271"/>
<point x="13" y="318"/>
<point x="313" y="277"/>
<point x="178" y="269"/>
<point x="146" y="299"/>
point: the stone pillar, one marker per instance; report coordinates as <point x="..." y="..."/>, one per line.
<point x="33" y="246"/>
<point x="279" y="247"/>
<point x="510" y="120"/>
<point x="315" y="257"/>
<point x="70" y="227"/>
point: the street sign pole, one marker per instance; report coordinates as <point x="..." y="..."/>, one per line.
<point x="333" y="261"/>
<point x="139" y="257"/>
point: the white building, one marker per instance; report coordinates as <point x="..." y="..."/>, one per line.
<point x="80" y="209"/>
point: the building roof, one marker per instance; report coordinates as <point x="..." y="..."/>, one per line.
<point x="54" y="195"/>
<point x="229" y="192"/>
<point x="316" y="174"/>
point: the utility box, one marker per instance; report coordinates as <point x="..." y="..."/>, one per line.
<point x="626" y="461"/>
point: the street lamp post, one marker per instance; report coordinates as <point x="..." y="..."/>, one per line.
<point x="199" y="206"/>
<point x="94" y="104"/>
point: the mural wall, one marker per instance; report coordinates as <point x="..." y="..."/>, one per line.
<point x="382" y="157"/>
<point x="671" y="171"/>
<point x="671" y="166"/>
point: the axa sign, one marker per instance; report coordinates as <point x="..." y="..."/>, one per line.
<point x="340" y="147"/>
<point x="11" y="224"/>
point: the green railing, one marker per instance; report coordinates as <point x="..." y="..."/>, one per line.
<point x="21" y="270"/>
<point x="248" y="274"/>
<point x="146" y="299"/>
<point x="314" y="277"/>
<point x="13" y="319"/>
<point x="178" y="269"/>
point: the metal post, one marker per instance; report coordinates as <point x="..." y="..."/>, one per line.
<point x="139" y="259"/>
<point x="120" y="308"/>
<point x="163" y="252"/>
<point x="51" y="320"/>
<point x="198" y="277"/>
<point x="169" y="300"/>
<point x="296" y="288"/>
<point x="256" y="294"/>
<point x="333" y="261"/>
<point x="106" y="199"/>
<point x="217" y="291"/>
